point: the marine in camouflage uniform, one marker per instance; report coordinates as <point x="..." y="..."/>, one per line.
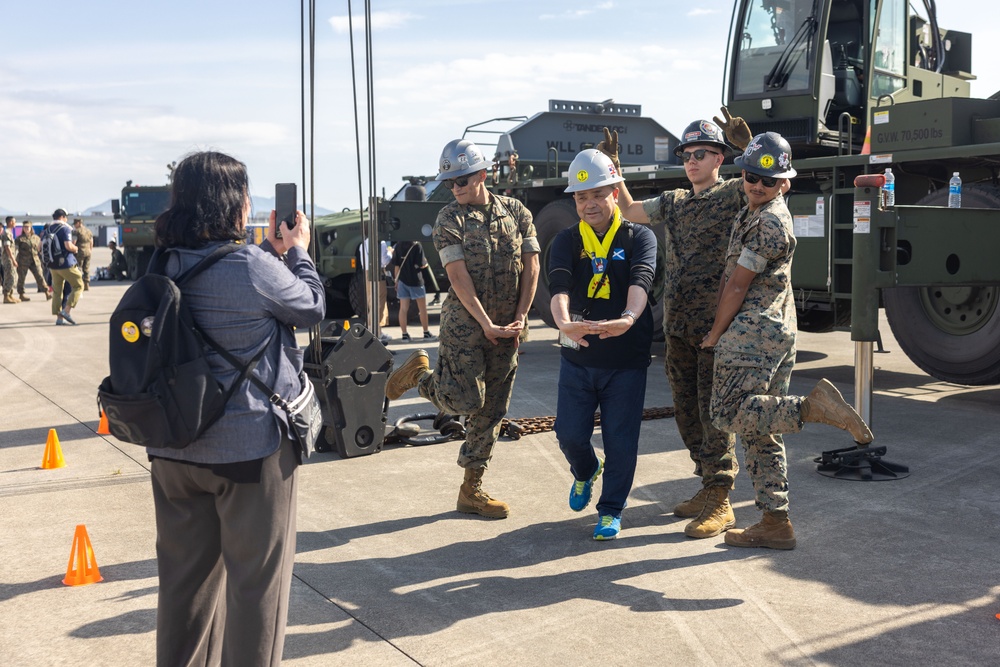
<point x="697" y="227"/>
<point x="7" y="261"/>
<point x="27" y="260"/>
<point x="754" y="339"/>
<point x="488" y="247"/>
<point x="474" y="377"/>
<point x="697" y="223"/>
<point x="754" y="357"/>
<point x="84" y="240"/>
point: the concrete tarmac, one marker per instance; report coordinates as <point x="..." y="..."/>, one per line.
<point x="900" y="572"/>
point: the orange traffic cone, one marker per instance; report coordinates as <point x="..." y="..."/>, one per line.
<point x="53" y="457"/>
<point x="82" y="568"/>
<point x="102" y="428"/>
<point x="866" y="148"/>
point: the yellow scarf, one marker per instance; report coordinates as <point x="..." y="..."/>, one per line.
<point x="597" y="251"/>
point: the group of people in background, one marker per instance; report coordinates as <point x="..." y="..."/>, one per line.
<point x="728" y="316"/>
<point x="63" y="272"/>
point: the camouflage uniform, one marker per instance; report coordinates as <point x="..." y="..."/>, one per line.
<point x="28" y="260"/>
<point x="697" y="230"/>
<point x="84" y="240"/>
<point x="7" y="253"/>
<point x="754" y="357"/>
<point x="474" y="377"/>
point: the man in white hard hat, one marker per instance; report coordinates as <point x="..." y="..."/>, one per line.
<point x="488" y="247"/>
<point x="600" y="275"/>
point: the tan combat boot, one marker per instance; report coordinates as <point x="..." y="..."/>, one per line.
<point x="22" y="297"/>
<point x="692" y="508"/>
<point x="826" y="405"/>
<point x="407" y="376"/>
<point x="716" y="516"/>
<point x="10" y="298"/>
<point x="473" y="500"/>
<point x="774" y="532"/>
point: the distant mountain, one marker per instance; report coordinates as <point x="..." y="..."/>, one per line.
<point x="104" y="208"/>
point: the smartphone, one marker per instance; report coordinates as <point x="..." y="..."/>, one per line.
<point x="285" y="206"/>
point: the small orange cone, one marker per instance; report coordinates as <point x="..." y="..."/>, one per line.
<point x="866" y="148"/>
<point x="102" y="428"/>
<point x="53" y="457"/>
<point x="82" y="567"/>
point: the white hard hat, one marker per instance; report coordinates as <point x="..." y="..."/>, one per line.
<point x="460" y="157"/>
<point x="592" y="169"/>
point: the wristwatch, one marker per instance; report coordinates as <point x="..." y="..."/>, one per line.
<point x="629" y="313"/>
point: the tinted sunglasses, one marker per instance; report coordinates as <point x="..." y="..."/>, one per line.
<point x="698" y="155"/>
<point x="461" y="181"/>
<point x="766" y="181"/>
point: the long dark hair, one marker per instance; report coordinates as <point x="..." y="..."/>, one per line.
<point x="207" y="202"/>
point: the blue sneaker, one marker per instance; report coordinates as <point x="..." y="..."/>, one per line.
<point x="580" y="492"/>
<point x="608" y="527"/>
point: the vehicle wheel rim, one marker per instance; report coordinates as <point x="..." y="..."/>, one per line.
<point x="959" y="310"/>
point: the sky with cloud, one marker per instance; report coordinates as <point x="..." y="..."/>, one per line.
<point x="93" y="94"/>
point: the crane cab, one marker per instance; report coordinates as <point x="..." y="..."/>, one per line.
<point x="812" y="69"/>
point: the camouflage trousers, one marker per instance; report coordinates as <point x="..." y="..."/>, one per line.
<point x="83" y="261"/>
<point x="22" y="270"/>
<point x="473" y="377"/>
<point x="750" y="398"/>
<point x="690" y="372"/>
<point x="8" y="277"/>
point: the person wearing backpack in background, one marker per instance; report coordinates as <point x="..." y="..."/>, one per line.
<point x="225" y="504"/>
<point x="57" y="254"/>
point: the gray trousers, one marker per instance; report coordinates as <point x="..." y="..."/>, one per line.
<point x="225" y="553"/>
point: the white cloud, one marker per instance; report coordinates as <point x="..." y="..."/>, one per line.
<point x="701" y="11"/>
<point x="380" y="21"/>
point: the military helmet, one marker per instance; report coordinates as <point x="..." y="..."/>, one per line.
<point x="767" y="154"/>
<point x="460" y="157"/>
<point x="703" y="132"/>
<point x="592" y="169"/>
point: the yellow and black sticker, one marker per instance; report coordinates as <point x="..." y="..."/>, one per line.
<point x="130" y="332"/>
<point x="582" y="175"/>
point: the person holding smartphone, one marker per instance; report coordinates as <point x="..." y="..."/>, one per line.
<point x="225" y="505"/>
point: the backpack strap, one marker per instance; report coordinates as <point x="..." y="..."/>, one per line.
<point x="157" y="265"/>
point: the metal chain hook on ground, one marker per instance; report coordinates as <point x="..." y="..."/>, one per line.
<point x="447" y="427"/>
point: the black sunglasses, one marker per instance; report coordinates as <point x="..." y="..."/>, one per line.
<point x="766" y="181"/>
<point x="698" y="155"/>
<point x="461" y="182"/>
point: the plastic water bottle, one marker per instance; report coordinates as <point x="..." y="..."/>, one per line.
<point x="955" y="192"/>
<point x="889" y="190"/>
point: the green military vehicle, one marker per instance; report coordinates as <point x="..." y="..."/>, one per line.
<point x="136" y="214"/>
<point x="830" y="76"/>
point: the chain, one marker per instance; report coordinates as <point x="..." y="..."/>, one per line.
<point x="531" y="425"/>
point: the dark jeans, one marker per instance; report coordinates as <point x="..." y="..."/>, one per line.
<point x="620" y="394"/>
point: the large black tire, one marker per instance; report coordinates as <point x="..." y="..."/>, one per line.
<point x="552" y="219"/>
<point x="951" y="333"/>
<point x="137" y="263"/>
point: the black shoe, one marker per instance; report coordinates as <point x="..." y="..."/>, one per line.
<point x="428" y="335"/>
<point x="405" y="337"/>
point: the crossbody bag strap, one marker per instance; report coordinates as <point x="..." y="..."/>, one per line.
<point x="246" y="371"/>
